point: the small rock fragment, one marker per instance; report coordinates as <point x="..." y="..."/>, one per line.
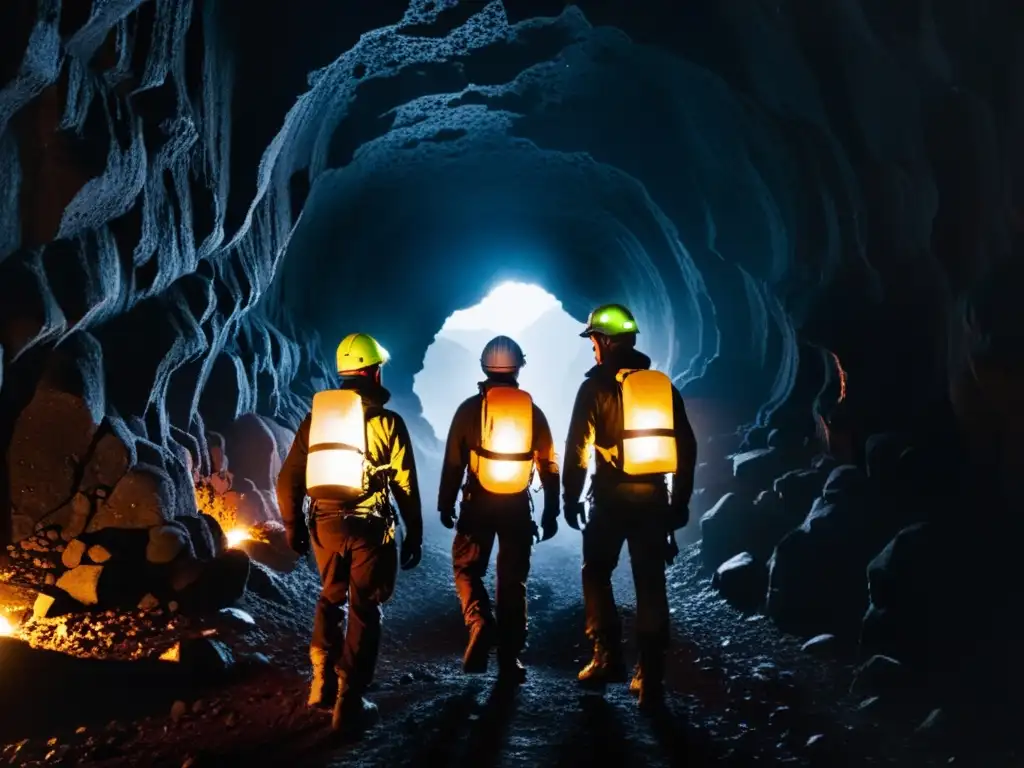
<point x="98" y="554"/>
<point x="178" y="710"/>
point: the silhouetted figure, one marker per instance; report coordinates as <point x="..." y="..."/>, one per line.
<point x="500" y="437"/>
<point x="351" y="455"/>
<point x="639" y="430"/>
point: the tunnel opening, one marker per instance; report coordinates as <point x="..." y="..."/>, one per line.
<point x="548" y="334"/>
<point x="556" y="361"/>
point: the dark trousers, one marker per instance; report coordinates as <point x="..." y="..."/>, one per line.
<point x="644" y="529"/>
<point x="358" y="562"/>
<point x="471" y="553"/>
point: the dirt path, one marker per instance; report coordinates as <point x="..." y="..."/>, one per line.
<point x="741" y="695"/>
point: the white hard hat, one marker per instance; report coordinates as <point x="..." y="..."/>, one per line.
<point x="502" y="355"/>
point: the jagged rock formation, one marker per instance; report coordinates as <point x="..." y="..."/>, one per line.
<point x="813" y="207"/>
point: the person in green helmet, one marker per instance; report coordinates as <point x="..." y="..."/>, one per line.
<point x="352" y="524"/>
<point x="628" y="503"/>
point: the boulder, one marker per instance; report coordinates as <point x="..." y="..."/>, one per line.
<point x="82" y="583"/>
<point x="113" y="585"/>
<point x="797" y="491"/>
<point x="756" y="470"/>
<point x="206" y="659"/>
<point x="908" y="587"/>
<point x="742" y="581"/>
<point x="51" y="438"/>
<point x="167" y="543"/>
<point x="124" y="544"/>
<point x="98" y="554"/>
<point x="252" y="451"/>
<point x="220" y="540"/>
<point x="144" y="498"/>
<point x="249" y="506"/>
<point x="73" y="553"/>
<point x="276" y="557"/>
<point x="74" y="522"/>
<point x="209" y="586"/>
<point x="200" y="535"/>
<point x="720" y="530"/>
<point x="52" y="605"/>
<point x="108" y="463"/>
<point x="736" y="525"/>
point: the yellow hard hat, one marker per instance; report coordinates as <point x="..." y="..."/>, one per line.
<point x="358" y="351"/>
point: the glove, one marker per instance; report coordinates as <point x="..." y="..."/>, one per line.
<point x="448" y="518"/>
<point x="575" y="513"/>
<point x="671" y="549"/>
<point x="412" y="552"/>
<point x="298" y="540"/>
<point x="680" y="516"/>
<point x="549" y="526"/>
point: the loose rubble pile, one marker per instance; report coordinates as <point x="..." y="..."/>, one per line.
<point x="867" y="558"/>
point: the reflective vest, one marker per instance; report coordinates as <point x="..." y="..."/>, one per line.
<point x="503" y="462"/>
<point x="336" y="460"/>
<point x="648" y="445"/>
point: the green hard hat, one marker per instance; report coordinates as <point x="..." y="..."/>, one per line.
<point x="611" y="320"/>
<point x="358" y="351"/>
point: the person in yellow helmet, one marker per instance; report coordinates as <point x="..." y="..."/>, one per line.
<point x="628" y="505"/>
<point x="352" y="530"/>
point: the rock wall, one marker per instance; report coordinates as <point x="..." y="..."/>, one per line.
<point x="127" y="324"/>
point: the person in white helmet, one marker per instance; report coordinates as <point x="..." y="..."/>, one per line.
<point x="496" y="441"/>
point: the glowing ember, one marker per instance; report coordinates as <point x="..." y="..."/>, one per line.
<point x="237" y="535"/>
<point x="7" y="629"/>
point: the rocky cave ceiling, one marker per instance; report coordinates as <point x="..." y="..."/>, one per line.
<point x="191" y="197"/>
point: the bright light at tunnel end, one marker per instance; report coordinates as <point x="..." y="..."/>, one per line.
<point x="508" y="308"/>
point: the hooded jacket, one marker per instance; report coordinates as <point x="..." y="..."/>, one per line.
<point x="387" y="444"/>
<point x="597" y="422"/>
<point x="464" y="435"/>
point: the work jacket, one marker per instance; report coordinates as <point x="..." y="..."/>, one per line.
<point x="388" y="447"/>
<point x="464" y="435"/>
<point x="597" y="423"/>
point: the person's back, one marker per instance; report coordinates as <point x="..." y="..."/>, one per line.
<point x="638" y="433"/>
<point x="352" y="456"/>
<point x="497" y="438"/>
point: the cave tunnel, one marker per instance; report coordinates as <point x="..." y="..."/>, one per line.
<point x="812" y="209"/>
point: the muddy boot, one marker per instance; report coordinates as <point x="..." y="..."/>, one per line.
<point x="352" y="713"/>
<point x="606" y="666"/>
<point x="510" y="669"/>
<point x="651" y="684"/>
<point x="478" y="649"/>
<point x="323" y="688"/>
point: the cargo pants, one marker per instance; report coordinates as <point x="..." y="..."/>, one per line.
<point x="479" y="526"/>
<point x="357" y="558"/>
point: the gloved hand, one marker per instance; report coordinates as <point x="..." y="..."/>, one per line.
<point x="298" y="539"/>
<point x="412" y="552"/>
<point x="671" y="549"/>
<point x="575" y="513"/>
<point x="680" y="516"/>
<point x="448" y="518"/>
<point x="548" y="526"/>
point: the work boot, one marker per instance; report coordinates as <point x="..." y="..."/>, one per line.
<point x="651" y="687"/>
<point x="637" y="681"/>
<point x="352" y="713"/>
<point x="478" y="649"/>
<point x="511" y="669"/>
<point x="606" y="666"/>
<point x="323" y="688"/>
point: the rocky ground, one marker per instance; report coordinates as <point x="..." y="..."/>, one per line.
<point x="742" y="693"/>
